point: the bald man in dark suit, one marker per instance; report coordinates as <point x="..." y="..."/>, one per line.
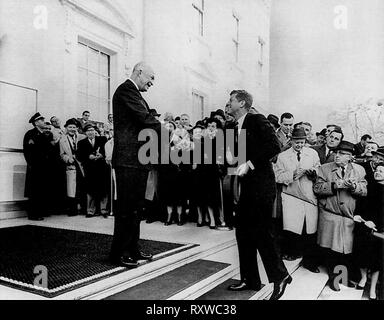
<point x="130" y="116"/>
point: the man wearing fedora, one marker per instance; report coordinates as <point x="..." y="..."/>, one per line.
<point x="74" y="169"/>
<point x="370" y="166"/>
<point x="37" y="149"/>
<point x="91" y="153"/>
<point x="296" y="169"/>
<point x="337" y="186"/>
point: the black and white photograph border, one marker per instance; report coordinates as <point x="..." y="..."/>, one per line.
<point x="293" y="212"/>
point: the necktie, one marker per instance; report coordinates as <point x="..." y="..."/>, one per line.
<point x="342" y="172"/>
<point x="236" y="130"/>
<point x="74" y="143"/>
<point x="329" y="153"/>
<point x="298" y="156"/>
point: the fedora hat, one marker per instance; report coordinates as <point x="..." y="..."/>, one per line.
<point x="321" y="133"/>
<point x="88" y="126"/>
<point x="379" y="151"/>
<point x="298" y="133"/>
<point x="346" y="146"/>
<point x="72" y="121"/>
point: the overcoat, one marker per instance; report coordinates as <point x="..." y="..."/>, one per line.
<point x="299" y="203"/>
<point x="67" y="154"/>
<point x="337" y="206"/>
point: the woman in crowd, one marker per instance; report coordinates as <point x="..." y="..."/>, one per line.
<point x="171" y="184"/>
<point x="207" y="173"/>
<point x="368" y="251"/>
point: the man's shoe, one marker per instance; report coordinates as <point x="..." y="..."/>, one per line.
<point x="279" y="288"/>
<point x="313" y="269"/>
<point x="125" y="262"/>
<point x="223" y="228"/>
<point x="242" y="285"/>
<point x="143" y="256"/>
<point x="89" y="215"/>
<point x="36" y="218"/>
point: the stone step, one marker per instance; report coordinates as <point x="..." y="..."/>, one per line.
<point x="113" y="285"/>
<point x="306" y="285"/>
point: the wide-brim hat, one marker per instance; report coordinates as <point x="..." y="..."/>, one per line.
<point x="346" y="146"/>
<point x="298" y="133"/>
<point x="35" y="117"/>
<point x="88" y="126"/>
<point x="379" y="151"/>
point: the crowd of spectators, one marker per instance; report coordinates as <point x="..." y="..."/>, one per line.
<point x="330" y="191"/>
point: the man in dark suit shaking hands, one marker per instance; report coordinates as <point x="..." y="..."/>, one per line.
<point x="258" y="190"/>
<point x="130" y="116"/>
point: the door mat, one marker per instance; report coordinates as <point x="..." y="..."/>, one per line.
<point x="69" y="259"/>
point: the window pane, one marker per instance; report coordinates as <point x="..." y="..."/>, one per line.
<point x="201" y="24"/>
<point x="104" y="109"/>
<point x="93" y="60"/>
<point x="202" y="106"/>
<point x="82" y="80"/>
<point x="104" y="64"/>
<point x="82" y="55"/>
<point x="93" y="84"/>
<point x="104" y="88"/>
<point x="82" y="101"/>
<point x="93" y="107"/>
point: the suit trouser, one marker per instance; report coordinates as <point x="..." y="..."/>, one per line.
<point x="253" y="233"/>
<point x="130" y="187"/>
<point x="302" y="245"/>
<point x="38" y="204"/>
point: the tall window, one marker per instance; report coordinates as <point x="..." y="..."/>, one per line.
<point x="198" y="5"/>
<point x="197" y="106"/>
<point x="235" y="38"/>
<point x="94" y="82"/>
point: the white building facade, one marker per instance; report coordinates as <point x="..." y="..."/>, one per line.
<point x="61" y="57"/>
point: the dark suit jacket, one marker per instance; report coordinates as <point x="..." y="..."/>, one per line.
<point x="130" y="116"/>
<point x="321" y="151"/>
<point x="96" y="171"/>
<point x="261" y="146"/>
<point x="359" y="149"/>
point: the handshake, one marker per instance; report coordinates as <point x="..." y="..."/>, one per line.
<point x="345" y="184"/>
